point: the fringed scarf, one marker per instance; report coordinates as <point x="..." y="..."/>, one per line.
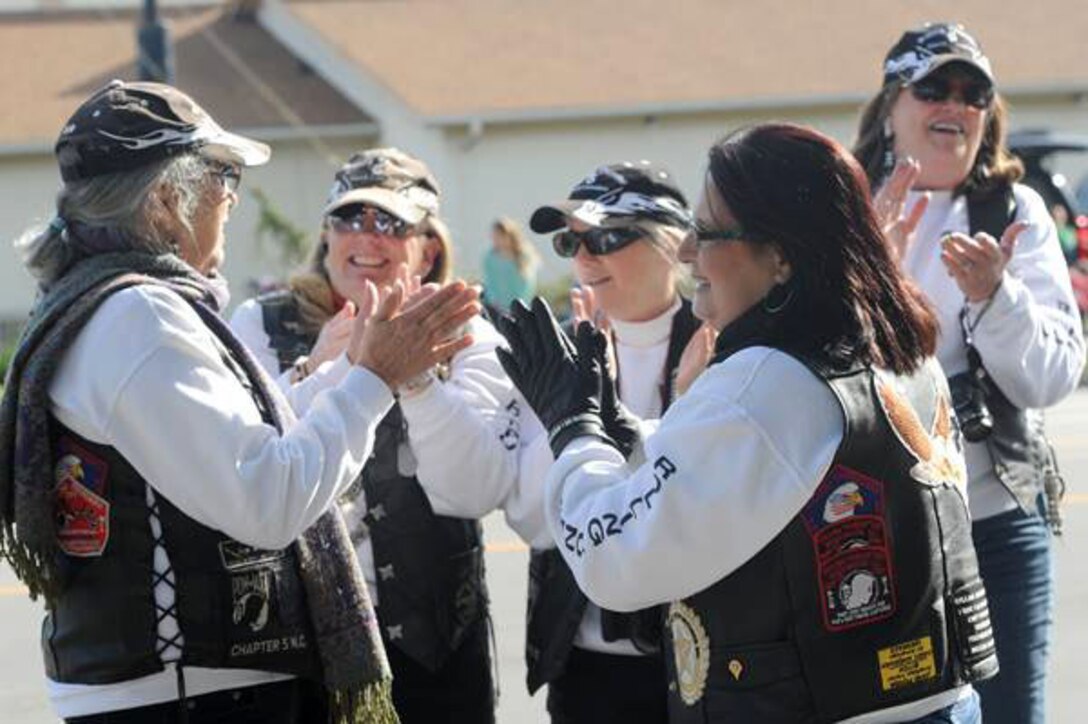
<point x="355" y="669"/>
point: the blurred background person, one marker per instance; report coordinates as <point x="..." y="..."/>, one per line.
<point x="985" y="251"/>
<point x="1067" y="233"/>
<point x="510" y="266"/>
<point x="381" y="223"/>
<point x="801" y="509"/>
<point x="156" y="487"/>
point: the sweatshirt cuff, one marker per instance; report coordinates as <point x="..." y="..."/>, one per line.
<point x="372" y="397"/>
<point x="1007" y="297"/>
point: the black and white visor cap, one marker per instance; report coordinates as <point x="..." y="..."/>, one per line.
<point x="616" y="195"/>
<point x="920" y="52"/>
<point x="389" y="179"/>
<point x="125" y="126"/>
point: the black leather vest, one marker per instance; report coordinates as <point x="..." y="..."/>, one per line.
<point x="1019" y="451"/>
<point x="236" y="606"/>
<point x="869" y="598"/>
<point x="429" y="568"/>
<point x="556" y="604"/>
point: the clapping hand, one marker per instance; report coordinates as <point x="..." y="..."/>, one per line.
<point x="398" y="338"/>
<point x="978" y="264"/>
<point x="890" y="204"/>
<point x="619" y="424"/>
<point x="560" y="380"/>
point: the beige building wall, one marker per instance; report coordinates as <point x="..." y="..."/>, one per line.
<point x="511" y="169"/>
<point x="507" y="170"/>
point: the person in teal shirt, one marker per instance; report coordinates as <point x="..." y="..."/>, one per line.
<point x="509" y="265"/>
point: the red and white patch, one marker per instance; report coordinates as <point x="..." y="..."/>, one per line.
<point x="82" y="515"/>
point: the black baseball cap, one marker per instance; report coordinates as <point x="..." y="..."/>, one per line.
<point x="389" y="179"/>
<point x="125" y="125"/>
<point x="921" y="51"/>
<point x="618" y="195"/>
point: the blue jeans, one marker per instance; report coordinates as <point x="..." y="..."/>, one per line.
<point x="1014" y="559"/>
<point x="964" y="711"/>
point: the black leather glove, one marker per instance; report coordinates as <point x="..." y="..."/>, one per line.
<point x="619" y="424"/>
<point x="562" y="387"/>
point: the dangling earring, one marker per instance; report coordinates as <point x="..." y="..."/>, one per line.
<point x="777" y="299"/>
<point x="888" y="162"/>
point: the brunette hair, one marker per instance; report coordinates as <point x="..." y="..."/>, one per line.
<point x="802" y="193"/>
<point x="994" y="165"/>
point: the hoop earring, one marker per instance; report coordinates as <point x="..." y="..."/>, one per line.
<point x="774" y="306"/>
<point x="888" y="162"/>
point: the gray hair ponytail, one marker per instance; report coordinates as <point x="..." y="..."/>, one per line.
<point x="122" y="205"/>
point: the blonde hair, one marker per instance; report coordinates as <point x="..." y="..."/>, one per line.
<point x="313" y="290"/>
<point x="525" y="255"/>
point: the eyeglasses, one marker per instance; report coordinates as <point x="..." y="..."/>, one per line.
<point x="704" y="236"/>
<point x="380" y="222"/>
<point x="228" y="175"/>
<point x="596" y="241"/>
<point x="937" y="89"/>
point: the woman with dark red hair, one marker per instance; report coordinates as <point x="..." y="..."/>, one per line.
<point x="801" y="509"/>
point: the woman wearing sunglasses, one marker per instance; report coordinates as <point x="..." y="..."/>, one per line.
<point x="800" y="509"/>
<point x="986" y="252"/>
<point x="426" y="571"/>
<point x="621" y="226"/>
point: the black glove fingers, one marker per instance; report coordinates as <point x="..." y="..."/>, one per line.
<point x="509" y="362"/>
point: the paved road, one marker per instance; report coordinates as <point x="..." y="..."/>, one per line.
<point x="22" y="697"/>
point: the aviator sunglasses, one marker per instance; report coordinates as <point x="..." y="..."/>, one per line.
<point x="596" y="241"/>
<point x="355" y="221"/>
<point x="937" y="89"/>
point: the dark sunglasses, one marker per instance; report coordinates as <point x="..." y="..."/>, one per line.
<point x="380" y="222"/>
<point x="937" y="89"/>
<point x="228" y="175"/>
<point x="597" y="241"/>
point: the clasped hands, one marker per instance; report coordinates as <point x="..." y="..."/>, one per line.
<point x="400" y="331"/>
<point x="565" y="381"/>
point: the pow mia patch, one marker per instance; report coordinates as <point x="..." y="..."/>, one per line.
<point x="691" y="649"/>
<point x="250" y="593"/>
<point x="845" y="522"/>
<point x="81" y="511"/>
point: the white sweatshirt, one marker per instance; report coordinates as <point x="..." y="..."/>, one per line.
<point x="1030" y="338"/>
<point x="746" y="447"/>
<point x="641" y="351"/>
<point x="146" y="377"/>
<point x="460" y="429"/>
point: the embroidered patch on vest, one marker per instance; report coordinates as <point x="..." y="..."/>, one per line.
<point x="691" y="650"/>
<point x="82" y="513"/>
<point x="845" y="521"/>
<point x="907" y="663"/>
<point x="939" y="455"/>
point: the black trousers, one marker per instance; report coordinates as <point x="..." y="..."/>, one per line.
<point x="284" y="702"/>
<point x="598" y="688"/>
<point x="460" y="692"/>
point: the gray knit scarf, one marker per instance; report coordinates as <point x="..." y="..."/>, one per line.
<point x="355" y="669"/>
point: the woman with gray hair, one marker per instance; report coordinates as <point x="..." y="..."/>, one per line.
<point x="155" y="487"/>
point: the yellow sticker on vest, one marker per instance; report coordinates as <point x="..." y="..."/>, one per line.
<point x="907" y="663"/>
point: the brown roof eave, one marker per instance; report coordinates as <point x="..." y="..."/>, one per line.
<point x="745" y="105"/>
